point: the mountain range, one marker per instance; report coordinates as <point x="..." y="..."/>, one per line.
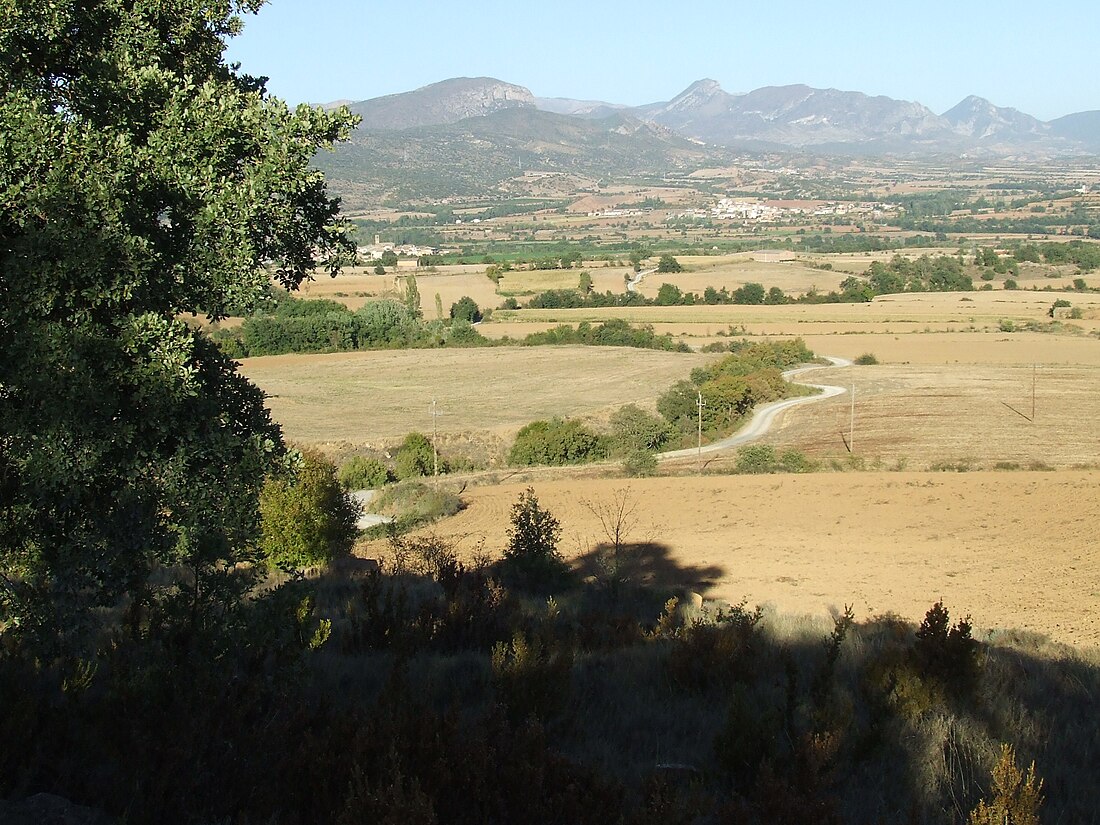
<point x="773" y="117"/>
<point x="472" y="137"/>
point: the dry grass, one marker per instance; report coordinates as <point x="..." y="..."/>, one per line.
<point x="935" y="414"/>
<point x="367" y="397"/>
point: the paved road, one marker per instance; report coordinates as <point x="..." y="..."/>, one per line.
<point x="632" y="284"/>
<point x="363" y="497"/>
<point x="762" y="417"/>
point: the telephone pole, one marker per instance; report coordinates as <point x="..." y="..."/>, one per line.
<point x="435" y="449"/>
<point x="700" y="403"/>
<point x="852" y="422"/>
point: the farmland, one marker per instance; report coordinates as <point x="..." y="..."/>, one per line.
<point x="882" y="527"/>
<point x="971" y="451"/>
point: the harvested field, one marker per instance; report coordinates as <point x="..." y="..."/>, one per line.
<point x="355" y="287"/>
<point x="367" y="397"/>
<point x="958" y="414"/>
<point x="1013" y="549"/>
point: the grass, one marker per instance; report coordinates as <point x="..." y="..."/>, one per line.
<point x="376" y="397"/>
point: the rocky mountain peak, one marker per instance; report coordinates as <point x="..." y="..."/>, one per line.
<point x="448" y="101"/>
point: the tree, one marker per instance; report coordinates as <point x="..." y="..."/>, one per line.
<point x="535" y="532"/>
<point x="750" y="293"/>
<point x="585" y="284"/>
<point x="141" y="178"/>
<point x="634" y="429"/>
<point x="669" y="295"/>
<point x="466" y="309"/>
<point x="307" y="518"/>
<point x="415" y="457"/>
<point x="412" y="296"/>
<point x="667" y="263"/>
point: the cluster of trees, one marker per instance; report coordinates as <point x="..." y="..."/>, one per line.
<point x="751" y="294"/>
<point x="667" y="295"/>
<point x="611" y="333"/>
<point x="1085" y="255"/>
<point x="296" y="325"/>
<point x="730" y="388"/>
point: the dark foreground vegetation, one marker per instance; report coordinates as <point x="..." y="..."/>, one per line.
<point x="528" y="690"/>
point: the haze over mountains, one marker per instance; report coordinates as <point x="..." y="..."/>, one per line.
<point x="774" y="117"/>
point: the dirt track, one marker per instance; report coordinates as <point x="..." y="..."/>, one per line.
<point x="1014" y="549"/>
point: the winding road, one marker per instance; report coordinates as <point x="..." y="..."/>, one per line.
<point x="762" y="417"/>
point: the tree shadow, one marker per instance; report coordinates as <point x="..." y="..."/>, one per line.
<point x="648" y="564"/>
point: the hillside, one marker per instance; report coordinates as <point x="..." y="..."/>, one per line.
<point x="481" y="154"/>
<point x="448" y="101"/>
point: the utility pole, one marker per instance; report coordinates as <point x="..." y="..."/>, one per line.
<point x="435" y="449"/>
<point x="700" y="403"/>
<point x="852" y="422"/>
<point x="1034" y="369"/>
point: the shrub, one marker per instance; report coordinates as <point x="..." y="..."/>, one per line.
<point x="531" y="680"/>
<point x="717" y="653"/>
<point x="633" y="429"/>
<point x="1006" y="325"/>
<point x="792" y="461"/>
<point x="416" y="457"/>
<point x="640" y="463"/>
<point x="867" y="359"/>
<point x="362" y="473"/>
<point x="556" y="442"/>
<point x="756" y="458"/>
<point x="945" y="652"/>
<point x="412" y="503"/>
<point x="466" y="309"/>
<point x="1010" y="283"/>
<point x="1016" y="797"/>
<point x="306" y="518"/>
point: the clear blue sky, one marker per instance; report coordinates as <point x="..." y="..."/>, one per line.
<point x="1036" y="57"/>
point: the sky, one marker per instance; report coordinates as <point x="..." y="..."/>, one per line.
<point x="1039" y="58"/>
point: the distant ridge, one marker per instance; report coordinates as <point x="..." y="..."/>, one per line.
<point x="477" y="136"/>
<point x="775" y="117"/>
<point x="1081" y="127"/>
<point x="448" y="101"/>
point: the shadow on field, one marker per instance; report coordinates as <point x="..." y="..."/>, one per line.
<point x="650" y="564"/>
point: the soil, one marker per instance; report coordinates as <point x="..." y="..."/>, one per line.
<point x="1012" y="549"/>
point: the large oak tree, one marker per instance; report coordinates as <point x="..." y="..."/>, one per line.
<point x="142" y="178"/>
